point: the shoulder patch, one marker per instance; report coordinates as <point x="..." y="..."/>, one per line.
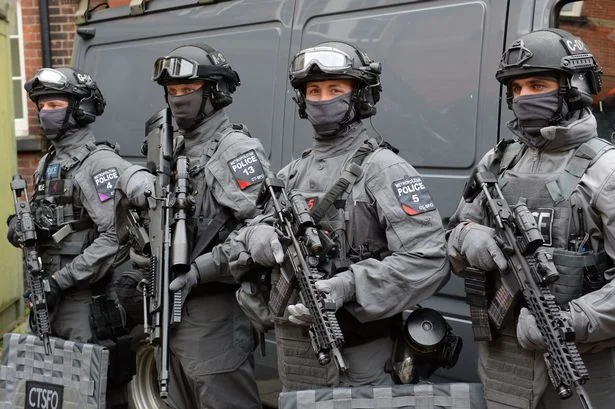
<point x="52" y="171"/>
<point x="413" y="196"/>
<point x="105" y="181"/>
<point x="247" y="169"/>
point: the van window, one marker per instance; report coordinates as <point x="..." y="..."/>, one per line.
<point x="594" y="22"/>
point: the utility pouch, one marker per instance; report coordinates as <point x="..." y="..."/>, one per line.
<point x="122" y="360"/>
<point x="107" y="320"/>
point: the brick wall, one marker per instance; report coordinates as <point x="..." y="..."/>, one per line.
<point x="62" y="32"/>
<point x="596" y="27"/>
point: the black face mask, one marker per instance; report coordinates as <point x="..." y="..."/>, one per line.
<point x="327" y="117"/>
<point x="52" y="120"/>
<point x="535" y="112"/>
<point x="186" y="108"/>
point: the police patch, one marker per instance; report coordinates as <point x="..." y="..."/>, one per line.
<point x="247" y="169"/>
<point x="413" y="196"/>
<point x="311" y="202"/>
<point x="43" y="395"/>
<point x="105" y="183"/>
<point x="52" y="171"/>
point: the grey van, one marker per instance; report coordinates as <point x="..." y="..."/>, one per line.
<point x="441" y="106"/>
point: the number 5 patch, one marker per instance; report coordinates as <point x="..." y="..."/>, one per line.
<point x="413" y="196"/>
<point x="247" y="169"/>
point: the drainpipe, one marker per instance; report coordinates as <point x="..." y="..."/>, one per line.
<point x="43" y="7"/>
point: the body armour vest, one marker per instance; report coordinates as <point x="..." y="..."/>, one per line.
<point x="355" y="229"/>
<point x="561" y="215"/>
<point x="63" y="226"/>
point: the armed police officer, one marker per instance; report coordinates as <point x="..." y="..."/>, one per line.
<point x="564" y="173"/>
<point x="72" y="207"/>
<point x="211" y="349"/>
<point x="385" y="226"/>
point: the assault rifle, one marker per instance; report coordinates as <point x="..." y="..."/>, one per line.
<point x="302" y="246"/>
<point x="530" y="271"/>
<point x="168" y="238"/>
<point x="38" y="279"/>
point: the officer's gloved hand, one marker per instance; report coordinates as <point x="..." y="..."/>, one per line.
<point x="477" y="244"/>
<point x="528" y="335"/>
<point x="339" y="289"/>
<point x="186" y="281"/>
<point x="263" y="244"/>
<point x="14" y="234"/>
<point x="53" y="295"/>
<point x="299" y="314"/>
<point x="140" y="190"/>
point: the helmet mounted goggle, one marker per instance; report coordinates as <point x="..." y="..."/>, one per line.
<point x="179" y="68"/>
<point x="328" y="59"/>
<point x="48" y="79"/>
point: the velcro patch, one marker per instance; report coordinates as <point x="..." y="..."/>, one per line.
<point x="105" y="183"/>
<point x="55" y="187"/>
<point x="544" y="220"/>
<point x="413" y="196"/>
<point x="52" y="171"/>
<point x="43" y="395"/>
<point x="311" y="202"/>
<point x="247" y="169"/>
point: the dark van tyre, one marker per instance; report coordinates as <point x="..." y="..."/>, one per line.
<point x="142" y="391"/>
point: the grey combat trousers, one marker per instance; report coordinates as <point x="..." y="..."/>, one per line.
<point x="211" y="361"/>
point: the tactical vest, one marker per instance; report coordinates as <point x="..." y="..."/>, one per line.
<point x="298" y="367"/>
<point x="211" y="223"/>
<point x="63" y="225"/>
<point x="560" y="216"/>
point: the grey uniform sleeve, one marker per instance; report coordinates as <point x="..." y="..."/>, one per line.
<point x="227" y="188"/>
<point x="593" y="315"/>
<point x="96" y="259"/>
<point x="417" y="266"/>
<point x="465" y="213"/>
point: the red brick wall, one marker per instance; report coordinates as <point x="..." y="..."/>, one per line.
<point x="62" y="32"/>
<point x="597" y="28"/>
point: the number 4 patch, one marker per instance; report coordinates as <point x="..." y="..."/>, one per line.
<point x="247" y="169"/>
<point x="105" y="183"/>
<point x="413" y="196"/>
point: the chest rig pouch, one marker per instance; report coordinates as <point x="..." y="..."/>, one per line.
<point x="561" y="216"/>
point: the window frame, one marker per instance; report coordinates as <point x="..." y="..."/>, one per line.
<point x="577" y="8"/>
<point x="21" y="124"/>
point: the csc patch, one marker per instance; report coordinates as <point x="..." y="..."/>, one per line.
<point x="105" y="183"/>
<point x="43" y="395"/>
<point x="247" y="169"/>
<point x="413" y="196"/>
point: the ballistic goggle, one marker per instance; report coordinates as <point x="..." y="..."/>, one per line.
<point x="180" y="68"/>
<point x="48" y="78"/>
<point x="329" y="60"/>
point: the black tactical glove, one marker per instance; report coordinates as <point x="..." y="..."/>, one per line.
<point x="14" y="234"/>
<point x="53" y="295"/>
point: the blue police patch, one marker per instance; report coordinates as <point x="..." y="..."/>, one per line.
<point x="413" y="196"/>
<point x="105" y="183"/>
<point x="52" y="171"/>
<point x="247" y="169"/>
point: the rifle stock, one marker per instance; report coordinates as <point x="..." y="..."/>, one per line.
<point x="38" y="279"/>
<point x="530" y="271"/>
<point x="302" y="247"/>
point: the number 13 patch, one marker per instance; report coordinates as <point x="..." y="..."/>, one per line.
<point x="413" y="196"/>
<point x="247" y="169"/>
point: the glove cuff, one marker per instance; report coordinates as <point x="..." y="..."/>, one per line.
<point x="207" y="269"/>
<point x="345" y="282"/>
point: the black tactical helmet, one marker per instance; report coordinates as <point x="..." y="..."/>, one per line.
<point x="336" y="59"/>
<point x="85" y="99"/>
<point x="557" y="53"/>
<point x="199" y="62"/>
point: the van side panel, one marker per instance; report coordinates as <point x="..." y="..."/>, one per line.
<point x="253" y="39"/>
<point x="439" y="103"/>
